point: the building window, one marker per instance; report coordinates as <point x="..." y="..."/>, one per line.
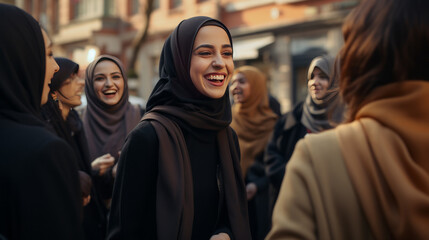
<point x="155" y="4"/>
<point x="175" y="3"/>
<point x="86" y="8"/>
<point x="109" y="8"/>
<point x="135" y="6"/>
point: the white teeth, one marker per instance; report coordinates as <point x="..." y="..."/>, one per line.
<point x="109" y="92"/>
<point x="216" y="77"/>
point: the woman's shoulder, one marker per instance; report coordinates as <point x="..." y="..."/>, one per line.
<point x="144" y="131"/>
<point x="31" y="136"/>
<point x="26" y="142"/>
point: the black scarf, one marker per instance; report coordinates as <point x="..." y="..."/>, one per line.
<point x="175" y="97"/>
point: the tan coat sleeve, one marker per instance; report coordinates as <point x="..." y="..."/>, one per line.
<point x="317" y="199"/>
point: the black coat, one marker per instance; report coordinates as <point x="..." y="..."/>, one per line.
<point x="133" y="209"/>
<point x="71" y="131"/>
<point x="259" y="212"/>
<point x="287" y="132"/>
<point x="39" y="188"/>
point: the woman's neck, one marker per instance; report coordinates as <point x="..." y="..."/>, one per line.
<point x="65" y="110"/>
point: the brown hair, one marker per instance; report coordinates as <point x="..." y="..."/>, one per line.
<point x="385" y="41"/>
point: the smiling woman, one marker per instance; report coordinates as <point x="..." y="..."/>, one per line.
<point x="179" y="174"/>
<point x="211" y="64"/>
<point x="66" y="88"/>
<point x="108" y="117"/>
<point x="108" y="82"/>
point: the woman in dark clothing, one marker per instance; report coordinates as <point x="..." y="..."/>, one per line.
<point x="321" y="110"/>
<point x="66" y="88"/>
<point x="179" y="174"/>
<point x="108" y="117"/>
<point x="39" y="187"/>
<point x="253" y="121"/>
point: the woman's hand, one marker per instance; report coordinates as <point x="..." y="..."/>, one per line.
<point x="115" y="168"/>
<point x="86" y="200"/>
<point x="251" y="190"/>
<point x="220" y="236"/>
<point x="103" y="163"/>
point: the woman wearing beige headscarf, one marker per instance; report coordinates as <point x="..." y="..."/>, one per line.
<point x="253" y="121"/>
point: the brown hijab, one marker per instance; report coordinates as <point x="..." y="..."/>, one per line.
<point x="175" y="97"/>
<point x="107" y="126"/>
<point x="386" y="154"/>
<point x="253" y="120"/>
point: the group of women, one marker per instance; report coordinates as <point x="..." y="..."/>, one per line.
<point x="192" y="168"/>
<point x="266" y="142"/>
<point x="96" y="141"/>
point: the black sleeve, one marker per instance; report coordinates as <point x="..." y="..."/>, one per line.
<point x="273" y="159"/>
<point x="104" y="183"/>
<point x="224" y="226"/>
<point x="133" y="209"/>
<point x="43" y="197"/>
<point x="257" y="174"/>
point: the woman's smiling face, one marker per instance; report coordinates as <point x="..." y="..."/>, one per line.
<point x="70" y="91"/>
<point x="318" y="84"/>
<point x="211" y="62"/>
<point x="108" y="82"/>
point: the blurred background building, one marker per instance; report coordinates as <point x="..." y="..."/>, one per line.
<point x="278" y="36"/>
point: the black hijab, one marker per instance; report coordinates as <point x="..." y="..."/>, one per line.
<point x="175" y="87"/>
<point x="175" y="100"/>
<point x="22" y="64"/>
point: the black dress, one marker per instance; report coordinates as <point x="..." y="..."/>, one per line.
<point x="134" y="198"/>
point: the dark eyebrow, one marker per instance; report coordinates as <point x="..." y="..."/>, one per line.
<point x="211" y="46"/>
<point x="204" y="46"/>
<point x="98" y="74"/>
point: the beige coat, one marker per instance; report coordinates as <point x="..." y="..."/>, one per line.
<point x="318" y="194"/>
<point x="365" y="179"/>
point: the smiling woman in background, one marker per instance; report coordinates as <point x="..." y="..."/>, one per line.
<point x="321" y="110"/>
<point x="108" y="117"/>
<point x="66" y="89"/>
<point x="253" y="121"/>
<point x="39" y="187"/>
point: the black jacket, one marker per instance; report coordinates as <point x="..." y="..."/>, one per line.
<point x="287" y="131"/>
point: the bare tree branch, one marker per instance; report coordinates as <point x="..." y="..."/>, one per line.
<point x="140" y="37"/>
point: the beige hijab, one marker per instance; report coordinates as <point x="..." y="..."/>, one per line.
<point x="387" y="155"/>
<point x="253" y="120"/>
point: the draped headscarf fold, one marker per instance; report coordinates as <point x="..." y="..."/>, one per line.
<point x="175" y="97"/>
<point x="322" y="114"/>
<point x="386" y="153"/>
<point x="106" y="126"/>
<point x="22" y="68"/>
<point x="253" y="120"/>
